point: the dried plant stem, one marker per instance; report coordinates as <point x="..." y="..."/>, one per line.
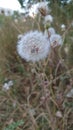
<point x="31" y="115"/>
<point x="17" y="28"/>
<point x="50" y="117"/>
<point x="33" y="120"/>
<point x="67" y="72"/>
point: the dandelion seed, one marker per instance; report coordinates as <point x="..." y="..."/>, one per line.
<point x="33" y="46"/>
<point x="56" y="40"/>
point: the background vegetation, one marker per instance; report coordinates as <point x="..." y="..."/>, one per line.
<point x="38" y="99"/>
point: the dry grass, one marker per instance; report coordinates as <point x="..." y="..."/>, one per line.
<point x="40" y="89"/>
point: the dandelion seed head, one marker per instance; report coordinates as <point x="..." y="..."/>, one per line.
<point x="44" y="7"/>
<point x="38" y="8"/>
<point x="56" y="40"/>
<point x="48" y="32"/>
<point x="33" y="46"/>
<point x="51" y="31"/>
<point x="48" y="19"/>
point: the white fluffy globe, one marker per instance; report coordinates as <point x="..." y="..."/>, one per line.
<point x="56" y="40"/>
<point x="33" y="46"/>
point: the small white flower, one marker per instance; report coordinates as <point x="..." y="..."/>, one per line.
<point x="10" y="83"/>
<point x="7" y="85"/>
<point x="70" y="94"/>
<point x="51" y="31"/>
<point x="33" y="46"/>
<point x="63" y="27"/>
<point x="48" y="19"/>
<point x="56" y="40"/>
<point x="59" y="114"/>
